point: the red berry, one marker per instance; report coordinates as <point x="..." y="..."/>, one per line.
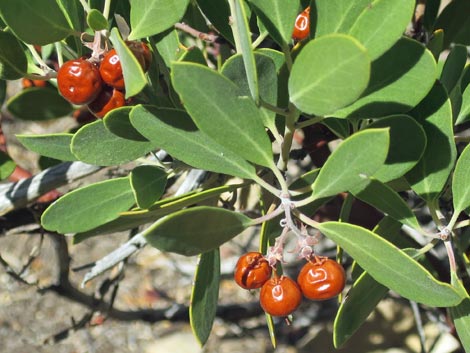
<point x="111" y="70"/>
<point x="252" y="270"/>
<point x="302" y="25"/>
<point x="79" y="81"/>
<point x="28" y="83"/>
<point x="280" y="296"/>
<point x="109" y="99"/>
<point x="321" y="279"/>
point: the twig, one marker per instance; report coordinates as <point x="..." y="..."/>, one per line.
<point x="207" y="37"/>
<point x="191" y="182"/>
<point x="419" y="325"/>
<point x="18" y="195"/>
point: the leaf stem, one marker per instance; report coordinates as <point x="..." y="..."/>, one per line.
<point x="287" y="55"/>
<point x="259" y="40"/>
<point x="273" y="108"/>
<point x="106" y="8"/>
<point x="85" y="6"/>
<point x="309" y="122"/>
<point x="276" y="192"/>
<point x="305" y="219"/>
<point x="233" y="21"/>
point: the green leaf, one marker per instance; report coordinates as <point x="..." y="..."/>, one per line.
<point x="376" y="24"/>
<point x="461" y="181"/>
<point x="430" y="14"/>
<point x="174" y="131"/>
<point x="148" y="184"/>
<point x="430" y="175"/>
<point x="464" y="114"/>
<point x="133" y="73"/>
<point x="453" y="67"/>
<point x="135" y="218"/>
<point x="35" y="21"/>
<point x="339" y="127"/>
<point x="399" y="80"/>
<point x="242" y="34"/>
<point x="194" y="55"/>
<point x="7" y="166"/>
<point x="455" y="22"/>
<point x="205" y="295"/>
<point x="96" y="20"/>
<point x="196" y="230"/>
<point x="461" y="317"/>
<point x="386" y="200"/>
<point x="13" y="62"/>
<point x="50" y="145"/>
<point x="234" y="69"/>
<point x="380" y="259"/>
<point x="317" y="84"/>
<point x="278" y="17"/>
<point x="47" y="103"/>
<point x="149" y="17"/>
<point x="407" y="145"/>
<point x="89" y="206"/>
<point x="356" y="158"/>
<point x="381" y="24"/>
<point x="169" y="47"/>
<point x="118" y="122"/>
<point x="217" y="11"/>
<point x="214" y="104"/>
<point x="94" y="144"/>
<point x="436" y="43"/>
<point x="360" y="301"/>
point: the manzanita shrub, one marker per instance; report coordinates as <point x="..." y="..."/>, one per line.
<point x="225" y="91"/>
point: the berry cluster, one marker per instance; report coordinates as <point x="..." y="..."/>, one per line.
<point x="99" y="84"/>
<point x="319" y="279"/>
<point x="302" y="25"/>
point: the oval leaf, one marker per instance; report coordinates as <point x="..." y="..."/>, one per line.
<point x="461" y="316"/>
<point x="430" y="175"/>
<point x="196" y="230"/>
<point x="453" y="67"/>
<point x="464" y="114"/>
<point x="381" y="24"/>
<point x="118" y="122"/>
<point x="205" y="295"/>
<point x="360" y="301"/>
<point x="356" y="158"/>
<point x="407" y="144"/>
<point x="278" y="16"/>
<point x="7" y="166"/>
<point x="461" y="182"/>
<point x="329" y="73"/>
<point x="96" y="20"/>
<point x="88" y="207"/>
<point x="148" y="183"/>
<point x="35" y="21"/>
<point x="214" y="104"/>
<point x="47" y="103"/>
<point x="174" y="131"/>
<point x="94" y="144"/>
<point x="134" y="76"/>
<point x="390" y="266"/>
<point x="52" y="145"/>
<point x="234" y="69"/>
<point x="388" y="201"/>
<point x="13" y="62"/>
<point x="242" y="36"/>
<point x="399" y="80"/>
<point x="149" y="17"/>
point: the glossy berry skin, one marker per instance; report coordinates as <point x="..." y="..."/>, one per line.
<point x="79" y="81"/>
<point x="109" y="99"/>
<point x="280" y="296"/>
<point x="302" y="25"/>
<point x="111" y="70"/>
<point x="321" y="279"/>
<point x="252" y="270"/>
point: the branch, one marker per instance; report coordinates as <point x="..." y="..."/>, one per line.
<point x="191" y="182"/>
<point x="18" y="195"/>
